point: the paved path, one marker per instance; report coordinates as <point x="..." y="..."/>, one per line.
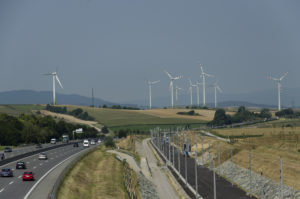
<point x="130" y="160"/>
<point x="159" y="178"/>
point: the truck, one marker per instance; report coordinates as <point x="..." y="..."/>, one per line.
<point x="65" y="138"/>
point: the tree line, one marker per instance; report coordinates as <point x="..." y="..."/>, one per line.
<point x="37" y="129"/>
<point x="242" y="115"/>
<point x="78" y="113"/>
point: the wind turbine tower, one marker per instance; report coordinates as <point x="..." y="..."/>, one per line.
<point x="198" y="93"/>
<point x="203" y="76"/>
<point x="54" y="78"/>
<point x="191" y="91"/>
<point x="278" y="80"/>
<point x="171" y="86"/>
<point x="217" y="88"/>
<point x="150" y="92"/>
<point x="176" y="93"/>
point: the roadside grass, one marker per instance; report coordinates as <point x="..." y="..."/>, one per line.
<point x="127" y="145"/>
<point x="97" y="175"/>
<point x="18" y="109"/>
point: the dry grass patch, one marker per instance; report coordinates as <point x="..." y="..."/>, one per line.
<point x="97" y="176"/>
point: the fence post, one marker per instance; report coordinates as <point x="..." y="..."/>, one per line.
<point x="202" y="158"/>
<point x="250" y="177"/>
<point x="219" y="162"/>
<point x="262" y="187"/>
<point x="185" y="162"/>
<point x="215" y="189"/>
<point x="232" y="166"/>
<point x="169" y="141"/>
<point x="196" y="172"/>
<point x="179" y="148"/>
<point x="281" y="171"/>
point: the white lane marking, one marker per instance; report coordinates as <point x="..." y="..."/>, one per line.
<point x="19" y="176"/>
<point x="41" y="164"/>
<point x="34" y="159"/>
<point x="51" y="158"/>
<point x="28" y="162"/>
<point x="34" y="167"/>
<point x="11" y="182"/>
<point x="36" y="184"/>
<point x="1" y="190"/>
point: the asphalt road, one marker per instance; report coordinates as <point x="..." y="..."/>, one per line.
<point x="14" y="187"/>
<point x="26" y="149"/>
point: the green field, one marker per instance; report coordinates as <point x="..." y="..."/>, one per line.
<point x="115" y="118"/>
<point x="16" y="110"/>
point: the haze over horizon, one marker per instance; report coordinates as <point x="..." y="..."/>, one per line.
<point x="116" y="46"/>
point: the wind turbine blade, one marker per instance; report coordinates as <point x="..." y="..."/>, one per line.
<point x="208" y="75"/>
<point x="179" y="77"/>
<point x="155" y="82"/>
<point x="170" y="76"/>
<point x="58" y="81"/>
<point x="281" y="78"/>
<point x="272" y="78"/>
<point x="201" y="67"/>
<point x="219" y="89"/>
<point x="190" y="81"/>
<point x="47" y="74"/>
<point x="171" y="85"/>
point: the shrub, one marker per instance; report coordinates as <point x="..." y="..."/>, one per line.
<point x="109" y="142"/>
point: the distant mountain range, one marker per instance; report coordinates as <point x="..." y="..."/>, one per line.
<point x="266" y="98"/>
<point x="290" y="97"/>
<point x="45" y="97"/>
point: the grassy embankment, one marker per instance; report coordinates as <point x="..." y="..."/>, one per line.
<point x="98" y="175"/>
<point x="16" y="110"/>
<point x="279" y="139"/>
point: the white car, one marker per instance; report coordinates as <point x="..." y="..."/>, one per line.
<point x="53" y="141"/>
<point x="43" y="156"/>
<point x="99" y="141"/>
<point x="93" y="142"/>
<point x="86" y="143"/>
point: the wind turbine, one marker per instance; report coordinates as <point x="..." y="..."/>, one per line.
<point x="198" y="93"/>
<point x="217" y="88"/>
<point x="176" y="93"/>
<point x="191" y="90"/>
<point x="171" y="86"/>
<point x="150" y="92"/>
<point x="54" y="78"/>
<point x="204" y="75"/>
<point x="278" y="80"/>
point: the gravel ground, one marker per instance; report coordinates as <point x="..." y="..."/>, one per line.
<point x="260" y="186"/>
<point x="147" y="188"/>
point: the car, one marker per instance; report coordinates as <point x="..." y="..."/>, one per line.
<point x="27" y="175"/>
<point x="86" y="143"/>
<point x="99" y="141"/>
<point x="43" y="156"/>
<point x="75" y="144"/>
<point x="53" y="141"/>
<point x="20" y="165"/>
<point x="2" y="156"/>
<point x="38" y="146"/>
<point x="93" y="142"/>
<point x="6" y="172"/>
<point x="7" y="150"/>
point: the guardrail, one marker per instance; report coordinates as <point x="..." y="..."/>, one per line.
<point x="21" y="156"/>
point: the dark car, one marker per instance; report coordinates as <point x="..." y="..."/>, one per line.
<point x="20" y="165"/>
<point x="38" y="146"/>
<point x="7" y="149"/>
<point x="2" y="156"/>
<point x="27" y="175"/>
<point x="75" y="144"/>
<point x="6" y="172"/>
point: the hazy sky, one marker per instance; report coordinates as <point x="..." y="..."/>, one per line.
<point x="115" y="46"/>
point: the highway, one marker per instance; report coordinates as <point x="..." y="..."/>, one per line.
<point x="26" y="149"/>
<point x="14" y="187"/>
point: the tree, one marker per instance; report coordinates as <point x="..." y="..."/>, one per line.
<point x="104" y="130"/>
<point x="221" y="118"/>
<point x="109" y="142"/>
<point x="265" y="113"/>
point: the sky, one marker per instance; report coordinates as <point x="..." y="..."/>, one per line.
<point x="116" y="46"/>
